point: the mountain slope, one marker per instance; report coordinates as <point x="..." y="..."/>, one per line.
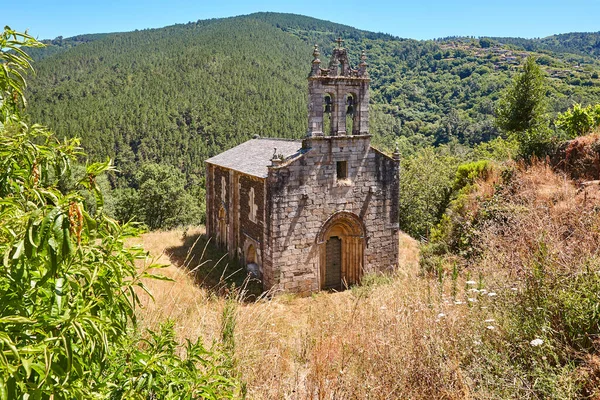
<point x="580" y="43"/>
<point x="176" y="94"/>
<point x="182" y="93"/>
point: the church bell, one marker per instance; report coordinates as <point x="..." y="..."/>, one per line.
<point x="328" y="104"/>
<point x="350" y="110"/>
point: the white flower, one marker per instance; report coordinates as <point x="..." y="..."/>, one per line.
<point x="536" y="342"/>
<point x="441" y="315"/>
<point x="492" y="294"/>
<point x="477" y="343"/>
<point x="459" y="302"/>
<point x="491" y="327"/>
<point x="472" y="300"/>
<point x="514" y="289"/>
<point x="473" y="290"/>
<point x="471" y="283"/>
<point x="483" y="291"/>
<point x="489" y="320"/>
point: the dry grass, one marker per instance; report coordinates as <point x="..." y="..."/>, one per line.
<point x="401" y="336"/>
<point x="180" y="300"/>
<point x="541" y="206"/>
<point x="380" y="341"/>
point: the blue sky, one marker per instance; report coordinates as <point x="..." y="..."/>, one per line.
<point x="416" y="19"/>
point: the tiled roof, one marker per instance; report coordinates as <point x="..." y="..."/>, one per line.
<point x="254" y="156"/>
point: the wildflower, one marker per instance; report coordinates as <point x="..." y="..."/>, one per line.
<point x="487" y="321"/>
<point x="536" y="342"/>
<point x="441" y="315"/>
<point x="514" y="289"/>
<point x="483" y="291"/>
<point x="472" y="300"/>
<point x="492" y="294"/>
<point x="491" y="327"/>
<point x="459" y="302"/>
<point x="471" y="283"/>
<point x="473" y="290"/>
<point x="477" y="343"/>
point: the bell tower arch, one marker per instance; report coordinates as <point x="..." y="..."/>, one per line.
<point x="338" y="93"/>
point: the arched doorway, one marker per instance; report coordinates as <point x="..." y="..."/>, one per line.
<point x="342" y="241"/>
<point x="251" y="261"/>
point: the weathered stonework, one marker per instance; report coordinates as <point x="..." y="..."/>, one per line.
<point x="318" y="213"/>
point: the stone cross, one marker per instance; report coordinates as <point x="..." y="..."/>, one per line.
<point x="339" y="42"/>
<point x="223" y="192"/>
<point x="252" y="206"/>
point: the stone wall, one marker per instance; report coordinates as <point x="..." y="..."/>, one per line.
<point x="232" y="190"/>
<point x="218" y="195"/>
<point x="251" y="218"/>
<point x="302" y="194"/>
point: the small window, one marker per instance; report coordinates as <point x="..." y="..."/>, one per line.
<point x="342" y="169"/>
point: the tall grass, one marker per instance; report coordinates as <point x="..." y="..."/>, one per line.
<point x="466" y="332"/>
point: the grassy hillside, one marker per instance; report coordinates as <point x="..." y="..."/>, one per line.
<point x="185" y="92"/>
<point x="515" y="320"/>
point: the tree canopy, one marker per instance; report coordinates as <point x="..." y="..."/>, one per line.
<point x="523" y="104"/>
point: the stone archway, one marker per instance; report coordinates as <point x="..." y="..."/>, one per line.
<point x="251" y="260"/>
<point x="342" y="242"/>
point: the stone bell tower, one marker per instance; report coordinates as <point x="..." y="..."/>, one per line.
<point x="339" y="93"/>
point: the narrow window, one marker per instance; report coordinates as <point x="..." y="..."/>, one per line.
<point x="328" y="109"/>
<point x="342" y="169"/>
<point x="350" y="101"/>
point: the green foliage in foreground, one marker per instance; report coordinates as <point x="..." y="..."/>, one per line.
<point x="546" y="333"/>
<point x="540" y="338"/>
<point x="67" y="298"/>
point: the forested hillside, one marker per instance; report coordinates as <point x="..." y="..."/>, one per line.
<point x="581" y="43"/>
<point x="182" y="93"/>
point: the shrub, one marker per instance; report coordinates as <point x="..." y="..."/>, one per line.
<point x="425" y="190"/>
<point x="67" y="280"/>
<point x="579" y="121"/>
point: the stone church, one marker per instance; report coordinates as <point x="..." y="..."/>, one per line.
<point x="311" y="214"/>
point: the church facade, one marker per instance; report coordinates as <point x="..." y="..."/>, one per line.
<point x="312" y="214"/>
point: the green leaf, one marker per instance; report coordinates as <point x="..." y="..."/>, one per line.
<point x="58" y="294"/>
<point x="16" y="319"/>
<point x="26" y="362"/>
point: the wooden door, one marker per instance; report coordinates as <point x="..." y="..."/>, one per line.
<point x="333" y="263"/>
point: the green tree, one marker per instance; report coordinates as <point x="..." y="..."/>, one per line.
<point x="486" y="42"/>
<point x="163" y="201"/>
<point x="522" y="111"/>
<point x="522" y="106"/>
<point x="426" y="181"/>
